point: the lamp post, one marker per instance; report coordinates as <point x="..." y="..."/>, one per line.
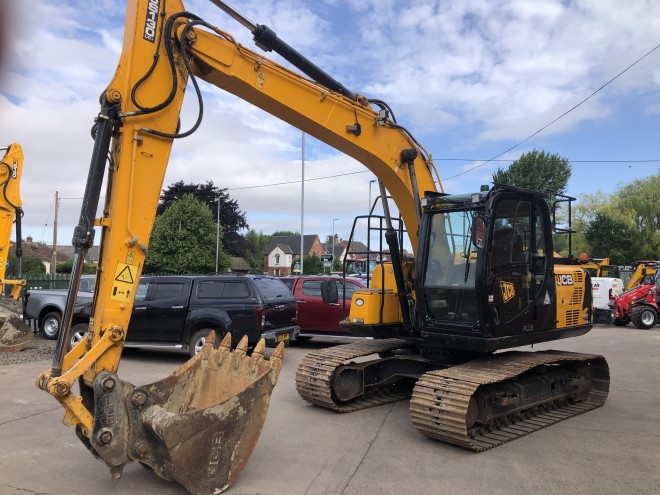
<point x="333" y="241"/>
<point x="217" y="238"/>
<point x="370" y="182"/>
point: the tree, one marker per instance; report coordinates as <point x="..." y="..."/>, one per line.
<point x="255" y="257"/>
<point x="640" y="200"/>
<point x="536" y="171"/>
<point x="633" y="205"/>
<point x="231" y="218"/>
<point x="285" y="233"/>
<point x="184" y="240"/>
<point x="28" y="265"/>
<point x="312" y="265"/>
<point x="66" y="266"/>
<point x="613" y="239"/>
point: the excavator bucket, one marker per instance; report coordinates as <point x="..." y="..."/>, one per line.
<point x="15" y="335"/>
<point x="197" y="427"/>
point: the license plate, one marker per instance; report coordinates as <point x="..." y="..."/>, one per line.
<point x="283" y="337"/>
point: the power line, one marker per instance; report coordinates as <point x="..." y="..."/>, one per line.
<point x="570" y="161"/>
<point x="561" y="116"/>
<point x="657" y="160"/>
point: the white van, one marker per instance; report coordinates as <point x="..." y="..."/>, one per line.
<point x="602" y="288"/>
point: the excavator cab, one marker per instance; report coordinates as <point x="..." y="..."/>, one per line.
<point x="484" y="278"/>
<point x="485" y="281"/>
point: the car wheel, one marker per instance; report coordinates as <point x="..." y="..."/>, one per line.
<point x="50" y="325"/>
<point x="644" y="317"/>
<point x="78" y="333"/>
<point x="198" y="340"/>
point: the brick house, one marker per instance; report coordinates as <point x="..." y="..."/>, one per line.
<point x="283" y="250"/>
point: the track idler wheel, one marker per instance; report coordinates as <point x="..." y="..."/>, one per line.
<point x="197" y="427"/>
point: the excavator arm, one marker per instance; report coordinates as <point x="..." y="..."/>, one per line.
<point x="220" y="396"/>
<point x="11" y="168"/>
<point x="14" y="334"/>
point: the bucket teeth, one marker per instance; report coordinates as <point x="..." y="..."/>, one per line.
<point x="260" y="348"/>
<point x="242" y="346"/>
<point x="278" y="353"/>
<point x="211" y="338"/>
<point x="226" y="341"/>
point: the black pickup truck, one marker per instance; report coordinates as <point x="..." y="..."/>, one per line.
<point x="178" y="312"/>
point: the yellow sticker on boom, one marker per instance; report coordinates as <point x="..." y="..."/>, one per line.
<point x="122" y="284"/>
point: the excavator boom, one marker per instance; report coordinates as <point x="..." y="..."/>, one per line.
<point x="14" y="334"/>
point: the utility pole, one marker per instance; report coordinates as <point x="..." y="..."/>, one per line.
<point x="53" y="270"/>
<point x="217" y="239"/>
<point x="302" y="205"/>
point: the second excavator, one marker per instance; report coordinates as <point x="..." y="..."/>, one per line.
<point x="483" y="278"/>
<point x="15" y="335"/>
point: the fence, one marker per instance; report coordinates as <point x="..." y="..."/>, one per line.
<point x="38" y="281"/>
<point x="44" y="281"/>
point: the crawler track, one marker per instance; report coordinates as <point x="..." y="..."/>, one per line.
<point x="441" y="400"/>
<point x="314" y="378"/>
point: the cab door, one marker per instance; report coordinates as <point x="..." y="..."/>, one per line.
<point x="516" y="272"/>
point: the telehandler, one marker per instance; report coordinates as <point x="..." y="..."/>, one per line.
<point x="483" y="278"/>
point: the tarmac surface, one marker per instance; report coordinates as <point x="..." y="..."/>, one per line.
<point x="307" y="450"/>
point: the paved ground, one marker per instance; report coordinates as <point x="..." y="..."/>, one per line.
<point x="307" y="450"/>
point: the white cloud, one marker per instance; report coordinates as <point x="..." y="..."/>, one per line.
<point x="472" y="77"/>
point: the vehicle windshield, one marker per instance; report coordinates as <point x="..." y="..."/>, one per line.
<point x="449" y="280"/>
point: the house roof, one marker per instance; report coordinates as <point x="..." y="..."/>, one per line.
<point x="293" y="243"/>
<point x="286" y="249"/>
<point x="44" y="253"/>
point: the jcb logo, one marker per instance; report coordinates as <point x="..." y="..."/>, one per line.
<point x="151" y="21"/>
<point x="508" y="291"/>
<point x="564" y="279"/>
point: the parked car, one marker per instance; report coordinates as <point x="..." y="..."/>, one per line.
<point x="178" y="312"/>
<point x="45" y="306"/>
<point x="316" y="318"/>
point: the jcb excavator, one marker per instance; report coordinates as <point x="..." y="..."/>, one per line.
<point x="484" y="278"/>
<point x="15" y="335"/>
<point x="643" y="272"/>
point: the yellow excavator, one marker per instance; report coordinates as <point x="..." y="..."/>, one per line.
<point x="643" y="272"/>
<point x="15" y="335"/>
<point x="483" y="278"/>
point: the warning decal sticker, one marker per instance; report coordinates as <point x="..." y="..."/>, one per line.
<point x="122" y="286"/>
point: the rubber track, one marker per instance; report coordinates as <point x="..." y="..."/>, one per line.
<point x="314" y="378"/>
<point x="440" y="399"/>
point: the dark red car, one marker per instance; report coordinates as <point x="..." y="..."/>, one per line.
<point x="316" y="318"/>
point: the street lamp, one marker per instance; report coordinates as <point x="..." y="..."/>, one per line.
<point x="217" y="238"/>
<point x="333" y="242"/>
<point x="370" y="182"/>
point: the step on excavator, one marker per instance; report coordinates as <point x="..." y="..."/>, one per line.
<point x="483" y="277"/>
<point x="15" y="335"/>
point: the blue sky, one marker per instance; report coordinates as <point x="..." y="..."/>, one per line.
<point x="470" y="79"/>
